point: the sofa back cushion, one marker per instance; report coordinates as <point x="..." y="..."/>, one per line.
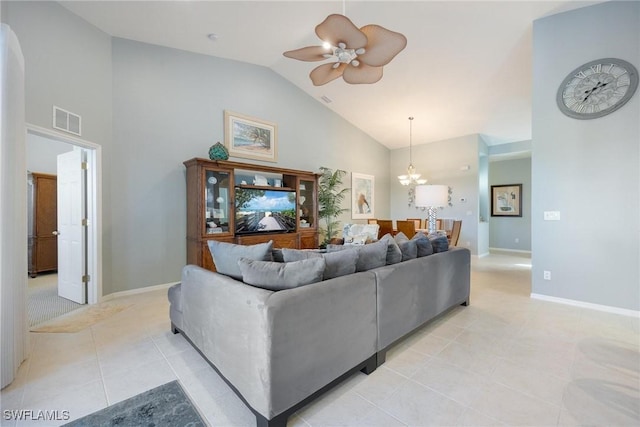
<point x="226" y="255"/>
<point x="277" y="276"/>
<point x="336" y="263"/>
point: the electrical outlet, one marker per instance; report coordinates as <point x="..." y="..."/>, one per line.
<point x="547" y="275"/>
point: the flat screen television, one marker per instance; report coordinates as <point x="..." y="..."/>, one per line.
<point x="260" y="211"/>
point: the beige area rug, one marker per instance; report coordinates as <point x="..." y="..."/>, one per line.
<point x="82" y="318"/>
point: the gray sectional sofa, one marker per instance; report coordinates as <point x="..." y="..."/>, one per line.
<point x="278" y="350"/>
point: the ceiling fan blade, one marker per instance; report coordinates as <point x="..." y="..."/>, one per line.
<point x="363" y="73"/>
<point x="309" y="53"/>
<point x="325" y="73"/>
<point x="383" y="45"/>
<point x="339" y="29"/>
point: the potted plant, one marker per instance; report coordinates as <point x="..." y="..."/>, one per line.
<point x="330" y="198"/>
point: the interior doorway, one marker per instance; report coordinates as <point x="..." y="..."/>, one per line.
<point x="44" y="149"/>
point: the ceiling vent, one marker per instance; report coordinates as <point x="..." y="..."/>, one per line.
<point x="67" y="121"/>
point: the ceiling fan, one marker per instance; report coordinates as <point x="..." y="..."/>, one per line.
<point x="357" y="55"/>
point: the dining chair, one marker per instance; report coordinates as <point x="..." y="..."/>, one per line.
<point x="408" y="227"/>
<point x="418" y="222"/>
<point x="455" y="233"/>
<point x="372" y="221"/>
<point x="386" y="226"/>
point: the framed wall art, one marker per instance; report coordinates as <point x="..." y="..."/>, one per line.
<point x="362" y="196"/>
<point x="506" y="200"/>
<point x="250" y="138"/>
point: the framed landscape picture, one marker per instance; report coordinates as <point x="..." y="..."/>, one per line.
<point x="506" y="200"/>
<point x="362" y="192"/>
<point x="250" y="138"/>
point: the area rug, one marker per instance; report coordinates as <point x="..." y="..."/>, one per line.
<point x="167" y="405"/>
<point x="81" y="318"/>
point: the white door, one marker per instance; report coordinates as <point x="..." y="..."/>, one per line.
<point x="71" y="232"/>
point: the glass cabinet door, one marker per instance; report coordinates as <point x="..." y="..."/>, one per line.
<point x="306" y="204"/>
<point x="217" y="186"/>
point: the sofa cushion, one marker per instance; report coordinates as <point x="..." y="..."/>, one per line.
<point x="423" y="243"/>
<point x="439" y="243"/>
<point x="277" y="276"/>
<point x="370" y="256"/>
<point x="226" y="255"/>
<point x="394" y="254"/>
<point x="408" y="247"/>
<point x="336" y="263"/>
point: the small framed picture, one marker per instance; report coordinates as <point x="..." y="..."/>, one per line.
<point x="506" y="200"/>
<point x="362" y="192"/>
<point x="250" y="138"/>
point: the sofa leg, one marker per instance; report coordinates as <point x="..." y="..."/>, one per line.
<point x="277" y="421"/>
<point x="174" y="329"/>
<point x="371" y="365"/>
<point x="381" y="356"/>
<point x="465" y="303"/>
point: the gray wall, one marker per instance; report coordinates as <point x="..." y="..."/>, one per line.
<point x="68" y="64"/>
<point x="42" y="154"/>
<point x="168" y="107"/>
<point x="441" y="162"/>
<point x="503" y="231"/>
<point x="151" y="108"/>
<point x="589" y="170"/>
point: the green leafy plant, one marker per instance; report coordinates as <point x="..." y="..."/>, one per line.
<point x="330" y="198"/>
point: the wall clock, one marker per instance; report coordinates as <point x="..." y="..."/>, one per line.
<point x="597" y="88"/>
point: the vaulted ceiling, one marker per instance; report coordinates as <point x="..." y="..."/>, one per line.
<point x="466" y="68"/>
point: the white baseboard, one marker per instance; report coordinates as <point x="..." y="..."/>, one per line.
<point x="137" y="291"/>
<point x="599" y="307"/>
<point x="508" y="251"/>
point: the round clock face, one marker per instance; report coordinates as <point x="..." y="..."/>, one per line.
<point x="597" y="88"/>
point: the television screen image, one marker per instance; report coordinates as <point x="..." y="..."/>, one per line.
<point x="265" y="210"/>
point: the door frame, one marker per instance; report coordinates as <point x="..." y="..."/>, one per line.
<point x="94" y="205"/>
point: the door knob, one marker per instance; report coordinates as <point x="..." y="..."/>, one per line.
<point x="55" y="233"/>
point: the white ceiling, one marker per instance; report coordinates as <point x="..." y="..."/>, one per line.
<point x="466" y="68"/>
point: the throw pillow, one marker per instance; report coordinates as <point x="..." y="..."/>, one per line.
<point x="408" y="247"/>
<point x="336" y="263"/>
<point x="370" y="256"/>
<point x="423" y="243"/>
<point x="439" y="243"/>
<point x="394" y="255"/>
<point x="277" y="276"/>
<point x="226" y="255"/>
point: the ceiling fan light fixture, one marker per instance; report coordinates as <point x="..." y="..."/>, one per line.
<point x="368" y="49"/>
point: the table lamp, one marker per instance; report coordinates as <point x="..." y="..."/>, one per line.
<point x="432" y="197"/>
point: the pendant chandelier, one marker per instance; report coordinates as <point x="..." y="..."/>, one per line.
<point x="411" y="178"/>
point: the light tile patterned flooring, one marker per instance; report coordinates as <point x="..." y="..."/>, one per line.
<point x="504" y="360"/>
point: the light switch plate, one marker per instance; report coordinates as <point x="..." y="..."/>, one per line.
<point x="552" y="216"/>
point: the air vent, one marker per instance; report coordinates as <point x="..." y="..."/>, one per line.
<point x="67" y="121"/>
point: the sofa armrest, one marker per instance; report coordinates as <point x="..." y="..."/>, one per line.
<point x="277" y="348"/>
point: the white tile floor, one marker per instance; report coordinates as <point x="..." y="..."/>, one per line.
<point x="504" y="360"/>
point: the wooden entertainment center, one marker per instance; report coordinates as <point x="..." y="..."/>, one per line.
<point x="213" y="213"/>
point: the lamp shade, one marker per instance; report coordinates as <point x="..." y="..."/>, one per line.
<point x="432" y="195"/>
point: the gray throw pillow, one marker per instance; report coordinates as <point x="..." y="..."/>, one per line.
<point x="277" y="276"/>
<point x="226" y="255"/>
<point x="439" y="243"/>
<point x="338" y="263"/>
<point x="394" y="255"/>
<point x="423" y="243"/>
<point x="408" y="247"/>
<point x="372" y="255"/>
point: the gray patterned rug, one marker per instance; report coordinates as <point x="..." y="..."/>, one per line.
<point x="164" y="406"/>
